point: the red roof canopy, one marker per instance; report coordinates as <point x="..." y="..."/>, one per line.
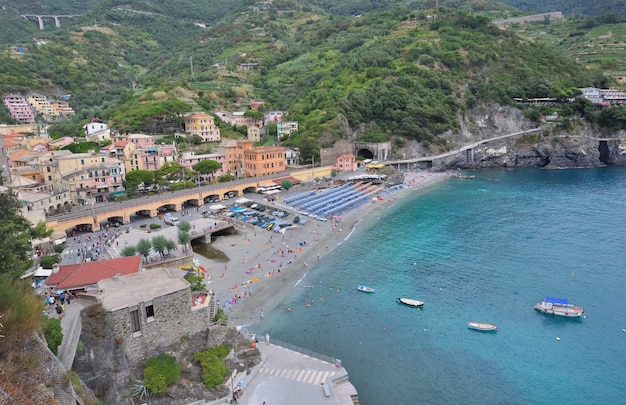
<point x="74" y="276"/>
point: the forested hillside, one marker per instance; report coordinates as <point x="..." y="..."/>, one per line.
<point x="404" y="71"/>
<point x="571" y="8"/>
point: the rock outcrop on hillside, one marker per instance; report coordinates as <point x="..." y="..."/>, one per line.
<point x="550" y="147"/>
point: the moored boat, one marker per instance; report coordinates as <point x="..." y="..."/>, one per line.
<point x="410" y="302"/>
<point x="560" y="307"/>
<point x="483" y="326"/>
<point x="366" y="289"/>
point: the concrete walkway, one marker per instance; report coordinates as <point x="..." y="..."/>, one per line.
<point x="71" y="326"/>
<point x="286" y="377"/>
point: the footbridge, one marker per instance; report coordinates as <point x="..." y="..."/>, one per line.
<point x="92" y="216"/>
<point x="468" y="149"/>
<point x="57" y="19"/>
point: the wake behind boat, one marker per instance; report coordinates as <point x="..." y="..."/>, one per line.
<point x="560" y="307"/>
<point x="483" y="326"/>
<point x="366" y="289"/>
<point x="410" y="302"/>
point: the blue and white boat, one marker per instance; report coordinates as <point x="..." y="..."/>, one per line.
<point x="560" y="307"/>
<point x="366" y="289"/>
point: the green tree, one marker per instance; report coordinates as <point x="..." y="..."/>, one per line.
<point x="129" y="251"/>
<point x="258" y="115"/>
<point x="136" y="177"/>
<point x="172" y="171"/>
<point x="286" y="184"/>
<point x="207" y="166"/>
<point x="143" y="247"/>
<point x="184" y="238"/>
<point x="226" y="177"/>
<point x="40" y="230"/>
<point x="170" y="245"/>
<point x="15" y="247"/>
<point x="159" y="243"/>
<point x="184" y="226"/>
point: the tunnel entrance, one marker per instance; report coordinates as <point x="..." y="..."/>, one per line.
<point x="605" y="156"/>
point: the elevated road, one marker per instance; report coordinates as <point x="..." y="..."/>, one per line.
<point x="91" y="216"/>
<point x="456" y="151"/>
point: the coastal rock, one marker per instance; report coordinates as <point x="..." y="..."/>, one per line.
<point x="583" y="146"/>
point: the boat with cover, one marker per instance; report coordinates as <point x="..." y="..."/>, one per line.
<point x="560" y="307"/>
<point x="410" y="302"/>
<point x="483" y="326"/>
<point x="365" y="289"/>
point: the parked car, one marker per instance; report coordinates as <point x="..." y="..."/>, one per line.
<point x="170" y="220"/>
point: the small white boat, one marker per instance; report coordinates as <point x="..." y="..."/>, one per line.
<point x="560" y="307"/>
<point x="409" y="302"/>
<point x="482" y="326"/>
<point x="365" y="289"/>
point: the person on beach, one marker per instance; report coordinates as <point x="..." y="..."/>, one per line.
<point x="267" y="338"/>
<point x="262" y="314"/>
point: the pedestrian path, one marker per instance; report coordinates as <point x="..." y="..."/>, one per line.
<point x="314" y="377"/>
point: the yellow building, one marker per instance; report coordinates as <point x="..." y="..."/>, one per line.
<point x="203" y="125"/>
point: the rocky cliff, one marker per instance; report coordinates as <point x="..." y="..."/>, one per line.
<point x="583" y="146"/>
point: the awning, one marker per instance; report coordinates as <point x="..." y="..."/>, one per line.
<point x="217" y="207"/>
<point x="242" y="201"/>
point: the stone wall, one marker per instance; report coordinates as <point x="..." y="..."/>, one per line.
<point x="173" y="319"/>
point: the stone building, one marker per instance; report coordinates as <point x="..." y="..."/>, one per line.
<point x="151" y="310"/>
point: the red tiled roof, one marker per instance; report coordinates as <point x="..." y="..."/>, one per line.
<point x="293" y="180"/>
<point x="121" y="144"/>
<point x="73" y="276"/>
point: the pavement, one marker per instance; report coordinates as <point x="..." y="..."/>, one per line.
<point x="287" y="377"/>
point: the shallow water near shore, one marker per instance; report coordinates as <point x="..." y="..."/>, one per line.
<point x="481" y="250"/>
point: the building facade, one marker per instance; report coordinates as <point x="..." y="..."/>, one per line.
<point x="19" y="108"/>
<point x="203" y="125"/>
<point x="151" y="310"/>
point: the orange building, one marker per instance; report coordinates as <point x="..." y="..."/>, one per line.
<point x="246" y="160"/>
<point x="203" y="125"/>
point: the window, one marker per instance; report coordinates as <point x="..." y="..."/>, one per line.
<point x="82" y="161"/>
<point x="135" y="323"/>
<point x="150" y="312"/>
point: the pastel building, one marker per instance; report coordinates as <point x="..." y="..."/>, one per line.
<point x="239" y="119"/>
<point x="61" y="107"/>
<point x="141" y="140"/>
<point x="41" y="104"/>
<point x="203" y="125"/>
<point x="259" y="161"/>
<point x="188" y="159"/>
<point x="97" y="132"/>
<point x="346" y="162"/>
<point x="153" y="157"/>
<point x="284" y="129"/>
<point x="274" y="116"/>
<point x="19" y="108"/>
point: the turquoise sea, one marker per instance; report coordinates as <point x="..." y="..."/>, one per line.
<point x="481" y="250"/>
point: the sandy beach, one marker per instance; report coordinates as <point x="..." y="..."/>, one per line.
<point x="264" y="266"/>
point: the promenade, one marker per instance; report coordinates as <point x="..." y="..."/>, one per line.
<point x="287" y="377"/>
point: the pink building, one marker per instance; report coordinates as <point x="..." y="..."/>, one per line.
<point x="152" y="157"/>
<point x="190" y="158"/>
<point x="141" y="140"/>
<point x="346" y="162"/>
<point x="19" y="108"/>
<point x="105" y="179"/>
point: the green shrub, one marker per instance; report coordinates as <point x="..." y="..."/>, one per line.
<point x="58" y="249"/>
<point x="142" y="225"/>
<point x="154" y="381"/>
<point x="197" y="282"/>
<point x="53" y="333"/>
<point x="48" y="261"/>
<point x="155" y="226"/>
<point x="161" y="372"/>
<point x="220" y="315"/>
<point x="213" y="369"/>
